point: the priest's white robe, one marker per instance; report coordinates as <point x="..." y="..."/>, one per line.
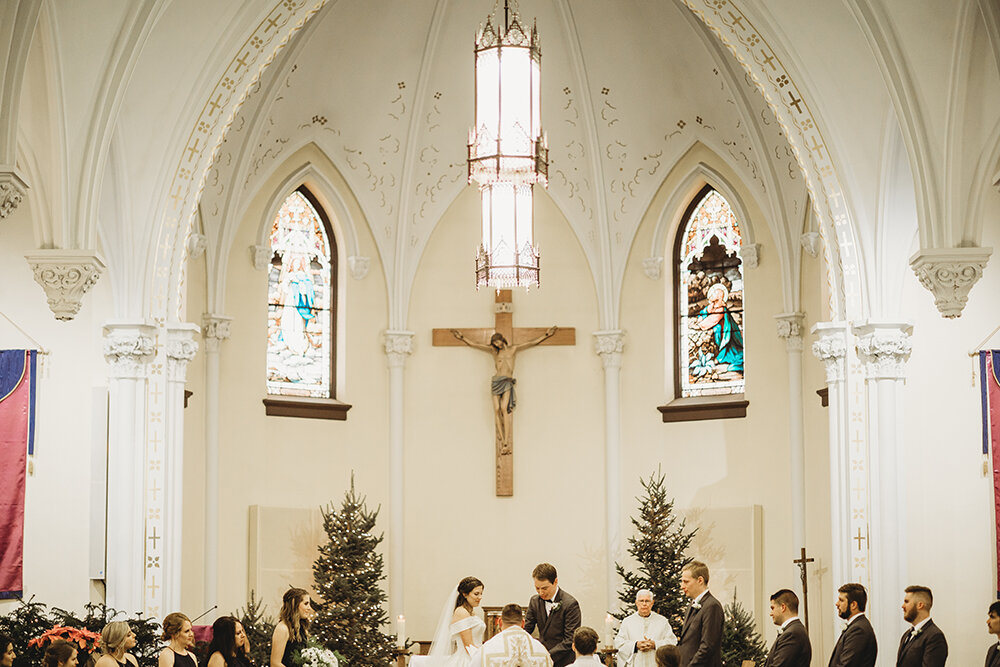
<point x="635" y="628"/>
<point x="512" y="648"/>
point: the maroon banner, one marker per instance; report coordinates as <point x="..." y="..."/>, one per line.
<point x="991" y="392"/>
<point x="15" y="413"/>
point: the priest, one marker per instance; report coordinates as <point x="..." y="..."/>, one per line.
<point x="641" y="633"/>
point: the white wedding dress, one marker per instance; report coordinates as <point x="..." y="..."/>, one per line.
<point x="460" y="657"/>
<point x="447" y="649"/>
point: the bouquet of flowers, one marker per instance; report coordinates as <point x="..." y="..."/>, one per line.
<point x="80" y="637"/>
<point x="314" y="655"/>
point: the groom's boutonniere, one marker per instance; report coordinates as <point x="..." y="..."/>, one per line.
<point x="696" y="605"/>
<point x="556" y="606"/>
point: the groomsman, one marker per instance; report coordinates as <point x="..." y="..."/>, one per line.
<point x="701" y="634"/>
<point x="791" y="647"/>
<point x="856" y="646"/>
<point x="993" y="627"/>
<point x="555" y="613"/>
<point x="924" y="644"/>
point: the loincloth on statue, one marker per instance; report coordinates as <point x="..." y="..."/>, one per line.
<point x="500" y="385"/>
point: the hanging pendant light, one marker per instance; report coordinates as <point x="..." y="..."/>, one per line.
<point x="508" y="153"/>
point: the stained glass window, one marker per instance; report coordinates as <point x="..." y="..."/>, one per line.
<point x="710" y="299"/>
<point x="301" y="301"/>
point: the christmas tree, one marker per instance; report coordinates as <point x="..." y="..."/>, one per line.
<point x="740" y="639"/>
<point x="658" y="547"/>
<point x="347" y="575"/>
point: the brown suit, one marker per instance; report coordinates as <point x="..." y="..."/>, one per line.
<point x="791" y="648"/>
<point x="555" y="630"/>
<point x="701" y="635"/>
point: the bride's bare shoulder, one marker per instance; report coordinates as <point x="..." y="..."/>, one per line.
<point x="460" y="613"/>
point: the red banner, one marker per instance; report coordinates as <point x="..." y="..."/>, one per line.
<point x="16" y="412"/>
<point x="989" y="361"/>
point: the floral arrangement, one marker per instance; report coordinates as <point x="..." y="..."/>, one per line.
<point x="314" y="655"/>
<point x="81" y="637"/>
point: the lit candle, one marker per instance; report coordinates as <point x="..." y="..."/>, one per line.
<point x="609" y="629"/>
<point x="401" y="631"/>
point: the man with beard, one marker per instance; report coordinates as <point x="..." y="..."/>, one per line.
<point x="856" y="646"/>
<point x="924" y="644"/>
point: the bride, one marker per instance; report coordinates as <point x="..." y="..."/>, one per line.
<point x="460" y="632"/>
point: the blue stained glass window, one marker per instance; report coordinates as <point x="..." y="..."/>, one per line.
<point x="301" y="303"/>
<point x="710" y="309"/>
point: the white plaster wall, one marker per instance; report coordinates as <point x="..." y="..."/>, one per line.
<point x="57" y="529"/>
<point x="949" y="526"/>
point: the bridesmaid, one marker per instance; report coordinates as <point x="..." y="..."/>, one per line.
<point x="60" y="653"/>
<point x="7" y="655"/>
<point x="229" y="647"/>
<point x="292" y="629"/>
<point x="179" y="634"/>
<point x="116" y="639"/>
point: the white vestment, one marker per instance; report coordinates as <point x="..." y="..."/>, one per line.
<point x="636" y="628"/>
<point x="512" y="648"/>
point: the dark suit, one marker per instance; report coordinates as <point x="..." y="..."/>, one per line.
<point x="927" y="649"/>
<point x="555" y="630"/>
<point x="856" y="646"/>
<point x="791" y="648"/>
<point x="993" y="656"/>
<point x="701" y="635"/>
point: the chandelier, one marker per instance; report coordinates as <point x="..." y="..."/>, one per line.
<point x="508" y="153"/>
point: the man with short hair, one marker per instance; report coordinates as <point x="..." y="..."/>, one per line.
<point x="641" y="633"/>
<point x="924" y="644"/>
<point x="993" y="627"/>
<point x="701" y="634"/>
<point x="584" y="646"/>
<point x="511" y="643"/>
<point x="856" y="646"/>
<point x="791" y="647"/>
<point x="555" y="613"/>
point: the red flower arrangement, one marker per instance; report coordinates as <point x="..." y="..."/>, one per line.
<point x="81" y="637"/>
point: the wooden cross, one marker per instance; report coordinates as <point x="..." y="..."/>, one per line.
<point x="801" y="561"/>
<point x="480" y="338"/>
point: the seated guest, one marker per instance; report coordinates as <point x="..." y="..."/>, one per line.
<point x="116" y="639"/>
<point x="229" y="644"/>
<point x="177" y="630"/>
<point x="584" y="645"/>
<point x="60" y="653"/>
<point x="668" y="656"/>
<point x="7" y="653"/>
<point x="641" y="633"/>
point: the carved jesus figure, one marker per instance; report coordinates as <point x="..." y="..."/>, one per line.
<point x="502" y="383"/>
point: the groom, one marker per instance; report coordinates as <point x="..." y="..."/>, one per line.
<point x="555" y="612"/>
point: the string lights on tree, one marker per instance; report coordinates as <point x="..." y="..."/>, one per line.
<point x="508" y="152"/>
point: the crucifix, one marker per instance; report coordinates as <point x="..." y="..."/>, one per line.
<point x="801" y="561"/>
<point x="504" y="341"/>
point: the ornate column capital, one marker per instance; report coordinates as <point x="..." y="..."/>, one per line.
<point x="653" y="267"/>
<point x="949" y="274"/>
<point x="831" y="348"/>
<point x="610" y="345"/>
<point x="811" y="243"/>
<point x="398" y="346"/>
<point x="128" y="347"/>
<point x="65" y="275"/>
<point x="215" y="328"/>
<point x="182" y="345"/>
<point x="260" y="256"/>
<point x="12" y="190"/>
<point x="358" y="266"/>
<point x="790" y="328"/>
<point x="196" y="245"/>
<point x="883" y="348"/>
<point x="750" y="254"/>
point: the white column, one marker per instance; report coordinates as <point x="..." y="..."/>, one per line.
<point x="610" y="345"/>
<point x="831" y="349"/>
<point x="181" y="348"/>
<point x="216" y="328"/>
<point x="398" y="346"/>
<point x="790" y="329"/>
<point x="128" y="348"/>
<point x="883" y="348"/>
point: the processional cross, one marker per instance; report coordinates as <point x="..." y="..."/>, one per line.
<point x="504" y="341"/>
<point x="801" y="561"/>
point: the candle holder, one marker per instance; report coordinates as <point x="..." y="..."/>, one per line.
<point x="608" y="654"/>
<point x="401" y="653"/>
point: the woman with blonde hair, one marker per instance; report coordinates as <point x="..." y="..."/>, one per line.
<point x="292" y="629"/>
<point x="179" y="634"/>
<point x="116" y="639"/>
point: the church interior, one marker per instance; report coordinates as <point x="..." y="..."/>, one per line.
<point x="241" y="232"/>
